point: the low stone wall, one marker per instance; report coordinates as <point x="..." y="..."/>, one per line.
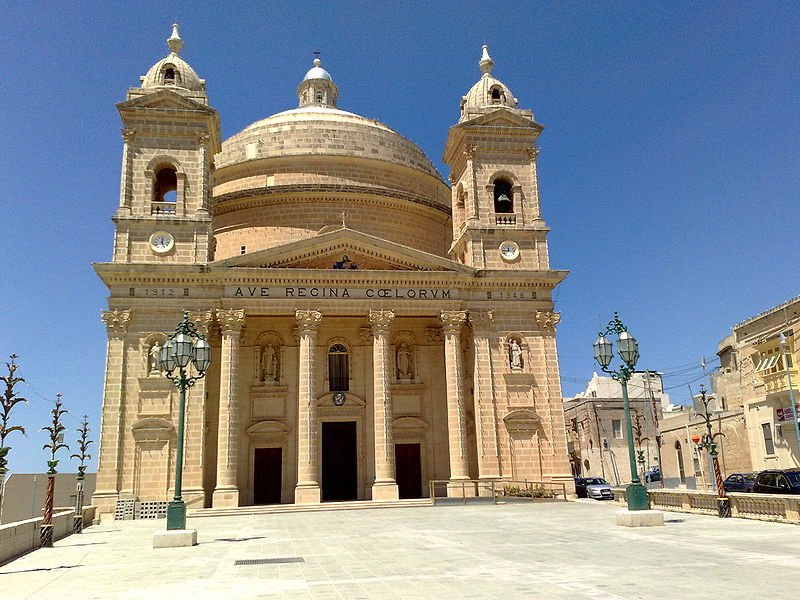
<point x="783" y="508"/>
<point x="23" y="536"/>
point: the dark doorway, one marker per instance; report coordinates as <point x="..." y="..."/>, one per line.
<point x="267" y="475"/>
<point x="409" y="470"/>
<point x="339" y="461"/>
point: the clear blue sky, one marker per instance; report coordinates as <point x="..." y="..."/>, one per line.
<point x="669" y="162"/>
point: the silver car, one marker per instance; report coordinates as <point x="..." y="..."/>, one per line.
<point x="599" y="489"/>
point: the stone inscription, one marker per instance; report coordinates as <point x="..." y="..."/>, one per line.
<point x="394" y="293"/>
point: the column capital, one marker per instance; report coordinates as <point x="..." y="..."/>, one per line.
<point x="202" y="318"/>
<point x="470" y="150"/>
<point x="532" y="153"/>
<point x="230" y="320"/>
<point x="453" y="320"/>
<point x="547" y="320"/>
<point x="116" y="321"/>
<point x="381" y="321"/>
<point x="128" y="133"/>
<point x="202" y="138"/>
<point x="481" y="321"/>
<point x="307" y="320"/>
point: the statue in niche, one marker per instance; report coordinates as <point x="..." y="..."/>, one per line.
<point x="404" y="366"/>
<point x="515" y="355"/>
<point x="269" y="363"/>
<point x="154" y="358"/>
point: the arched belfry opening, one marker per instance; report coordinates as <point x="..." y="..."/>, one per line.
<point x="165" y="190"/>
<point x="503" y="196"/>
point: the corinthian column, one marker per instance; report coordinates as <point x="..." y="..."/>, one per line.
<point x="226" y="492"/>
<point x="485" y="407"/>
<point x="456" y="419"/>
<point x="385" y="486"/>
<point x="307" y="490"/>
<point x="112" y="422"/>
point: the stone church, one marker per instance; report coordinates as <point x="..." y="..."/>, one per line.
<point x="374" y="327"/>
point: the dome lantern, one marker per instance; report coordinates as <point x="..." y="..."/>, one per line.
<point x="317" y="87"/>
<point x="172" y="71"/>
<point x="488" y="93"/>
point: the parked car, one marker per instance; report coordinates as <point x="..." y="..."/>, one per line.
<point x="778" y="481"/>
<point x="739" y="482"/>
<point x="652" y="474"/>
<point x="593" y="487"/>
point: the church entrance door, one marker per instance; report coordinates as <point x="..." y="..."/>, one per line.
<point x="339" y="461"/>
<point x="267" y="475"/>
<point x="409" y="470"/>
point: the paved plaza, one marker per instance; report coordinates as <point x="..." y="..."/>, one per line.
<point x="520" y="550"/>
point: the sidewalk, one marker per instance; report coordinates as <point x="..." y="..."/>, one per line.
<point x="550" y="550"/>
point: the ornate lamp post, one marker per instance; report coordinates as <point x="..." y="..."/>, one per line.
<point x="707" y="442"/>
<point x="184" y="347"/>
<point x="83" y="445"/>
<point x="791" y="390"/>
<point x="636" y="493"/>
<point x="56" y="431"/>
<point x="9" y="401"/>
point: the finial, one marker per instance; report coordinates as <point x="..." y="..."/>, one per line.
<point x="175" y="42"/>
<point x="486" y="63"/>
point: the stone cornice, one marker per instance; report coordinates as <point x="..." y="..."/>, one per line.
<point x="275" y="194"/>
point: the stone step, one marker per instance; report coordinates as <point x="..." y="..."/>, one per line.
<point x="287" y="508"/>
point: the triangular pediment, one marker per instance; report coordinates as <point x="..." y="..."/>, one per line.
<point x="343" y="249"/>
<point x="164" y="99"/>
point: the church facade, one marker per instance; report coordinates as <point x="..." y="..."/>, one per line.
<point x="373" y="327"/>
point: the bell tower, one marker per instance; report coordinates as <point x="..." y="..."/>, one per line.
<point x="492" y="154"/>
<point x="170" y="138"/>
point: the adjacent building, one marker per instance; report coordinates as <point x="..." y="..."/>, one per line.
<point x="373" y="326"/>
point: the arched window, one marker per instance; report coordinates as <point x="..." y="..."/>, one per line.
<point x="495" y="95"/>
<point x="170" y="75"/>
<point x="165" y="190"/>
<point x="503" y="197"/>
<point x="320" y="97"/>
<point x="338" y="368"/>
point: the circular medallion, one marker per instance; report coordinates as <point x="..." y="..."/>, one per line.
<point x="162" y="242"/>
<point x="509" y="250"/>
<point x="338" y="398"/>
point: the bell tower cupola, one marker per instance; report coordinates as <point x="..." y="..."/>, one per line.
<point x="317" y="88"/>
<point x="492" y="152"/>
<point x="170" y="137"/>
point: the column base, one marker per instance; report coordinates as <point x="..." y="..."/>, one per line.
<point x="106" y="503"/>
<point x="457" y="489"/>
<point x="385" y="491"/>
<point x="225" y="498"/>
<point x="307" y="494"/>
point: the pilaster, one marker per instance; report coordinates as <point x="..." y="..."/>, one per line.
<point x="307" y="490"/>
<point x="484" y="396"/>
<point x="226" y="492"/>
<point x="385" y="486"/>
<point x="109" y="466"/>
<point x="456" y="419"/>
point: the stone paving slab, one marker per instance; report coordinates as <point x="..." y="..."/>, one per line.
<point x="522" y="550"/>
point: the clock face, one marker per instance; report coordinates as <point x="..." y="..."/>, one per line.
<point x="509" y="250"/>
<point x="161" y="242"/>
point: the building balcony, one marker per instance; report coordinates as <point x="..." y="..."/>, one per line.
<point x="775" y="383"/>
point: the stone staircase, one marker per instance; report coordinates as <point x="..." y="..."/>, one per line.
<point x="290" y="508"/>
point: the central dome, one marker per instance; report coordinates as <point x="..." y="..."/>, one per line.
<point x="325" y="161"/>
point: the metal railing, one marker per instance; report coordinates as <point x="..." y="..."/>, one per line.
<point x="496" y="491"/>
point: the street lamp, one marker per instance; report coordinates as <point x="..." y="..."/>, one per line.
<point x="636" y="493"/>
<point x="707" y="442"/>
<point x="791" y="390"/>
<point x="183" y="347"/>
